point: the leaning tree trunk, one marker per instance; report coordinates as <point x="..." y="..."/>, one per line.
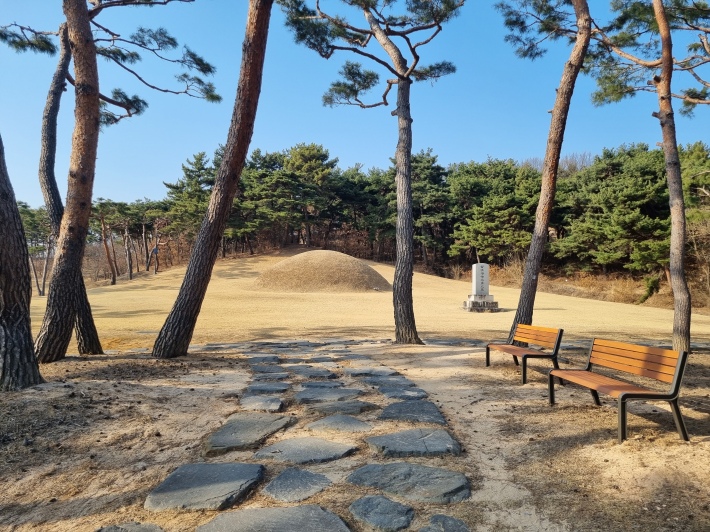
<point x="86" y="333"/>
<point x="18" y="365"/>
<point x="55" y="332"/>
<point x="174" y="338"/>
<point x="405" y="327"/>
<point x="550" y="167"/>
<point x="681" y="294"/>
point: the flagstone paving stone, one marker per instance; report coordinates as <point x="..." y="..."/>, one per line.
<point x="133" y="526"/>
<point x="322" y="384"/>
<point x="415" y="442"/>
<point x="382" y="513"/>
<point x="445" y="523"/>
<point x="369" y="372"/>
<point x="389" y="381"/>
<point x="267" y="388"/>
<point x="245" y="430"/>
<point x="419" y="411"/>
<point x="340" y="422"/>
<point x="276" y="376"/>
<point x="264" y="403"/>
<point x="405" y="394"/>
<point x="264" y="368"/>
<point x="295" y="484"/>
<point x="324" y="395"/>
<point x="305" y="450"/>
<point x="343" y="407"/>
<point x="204" y="487"/>
<point x="306" y="518"/>
<point x="414" y="482"/>
<point x="264" y="359"/>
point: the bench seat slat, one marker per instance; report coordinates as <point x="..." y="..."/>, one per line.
<point x="513" y="349"/>
<point x="601" y="383"/>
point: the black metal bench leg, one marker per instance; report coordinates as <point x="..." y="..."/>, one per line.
<point x="525" y="369"/>
<point x="622" y="421"/>
<point x="679" y="423"/>
<point x="551" y="388"/>
<point x="595" y="396"/>
<point x="515" y="359"/>
<point x="557" y="366"/>
<point x="488" y="356"/>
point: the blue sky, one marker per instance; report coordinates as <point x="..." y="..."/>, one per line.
<point x="495" y="106"/>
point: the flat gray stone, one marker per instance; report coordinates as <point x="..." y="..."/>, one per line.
<point x="322" y="384"/>
<point x="343" y="407"/>
<point x="415" y="442"/>
<point x="405" y="394"/>
<point x="382" y="513"/>
<point x="340" y="422"/>
<point x="264" y="359"/>
<point x="244" y="430"/>
<point x="294" y="485"/>
<point x="419" y="411"/>
<point x="370" y="372"/>
<point x="267" y="388"/>
<point x="133" y="526"/>
<point x="324" y="395"/>
<point x="321" y="358"/>
<point x="280" y="376"/>
<point x="414" y="482"/>
<point x="445" y="523"/>
<point x="305" y="450"/>
<point x="266" y="368"/>
<point x="264" y="403"/>
<point x="307" y="517"/>
<point x="310" y="372"/>
<point x="204" y="487"/>
<point x="390" y="381"/>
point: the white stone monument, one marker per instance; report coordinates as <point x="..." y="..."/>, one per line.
<point x="480" y="300"/>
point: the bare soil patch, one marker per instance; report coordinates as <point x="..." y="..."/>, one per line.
<point x="84" y="450"/>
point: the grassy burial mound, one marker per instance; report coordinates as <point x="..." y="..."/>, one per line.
<point x="321" y="271"/>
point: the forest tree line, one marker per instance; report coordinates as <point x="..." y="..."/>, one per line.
<point x="611" y="214"/>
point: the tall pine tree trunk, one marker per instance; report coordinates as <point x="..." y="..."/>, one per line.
<point x="555" y="138"/>
<point x="87" y="335"/>
<point x="174" y="338"/>
<point x="681" y="294"/>
<point x="405" y="327"/>
<point x="62" y="304"/>
<point x="18" y="365"/>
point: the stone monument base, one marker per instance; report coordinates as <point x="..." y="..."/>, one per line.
<point x="481" y="304"/>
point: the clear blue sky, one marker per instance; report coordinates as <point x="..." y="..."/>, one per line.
<point x="496" y="105"/>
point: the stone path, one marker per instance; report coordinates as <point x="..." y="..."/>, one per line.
<point x="332" y="386"/>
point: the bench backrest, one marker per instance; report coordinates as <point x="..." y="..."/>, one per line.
<point x="542" y="336"/>
<point x="652" y="362"/>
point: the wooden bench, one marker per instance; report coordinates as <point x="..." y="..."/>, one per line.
<point x="544" y="337"/>
<point x="664" y="365"/>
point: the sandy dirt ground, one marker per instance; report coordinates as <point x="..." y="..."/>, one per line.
<point x="83" y="450"/>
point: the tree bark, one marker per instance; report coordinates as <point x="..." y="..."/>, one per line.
<point x="550" y="167"/>
<point x="405" y="327"/>
<point x="87" y="335"/>
<point x="62" y="304"/>
<point x="174" y="338"/>
<point x="104" y="240"/>
<point x="18" y="365"/>
<point x="681" y="294"/>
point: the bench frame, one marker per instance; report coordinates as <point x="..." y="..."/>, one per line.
<point x="530" y="334"/>
<point x="664" y="365"/>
